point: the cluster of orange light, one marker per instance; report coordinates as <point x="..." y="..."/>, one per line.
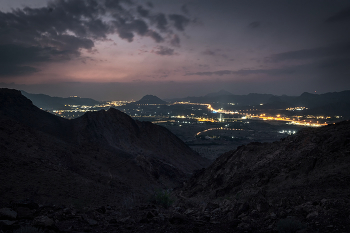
<point x="261" y="116"/>
<point x="216" y="129"/>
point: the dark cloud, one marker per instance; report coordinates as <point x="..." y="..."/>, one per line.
<point x="209" y="52"/>
<point x="17" y="54"/>
<point x="126" y="30"/>
<point x="13" y="58"/>
<point x="175" y="40"/>
<point x="63" y="28"/>
<point x="208" y="73"/>
<point x="215" y="53"/>
<point x="244" y="72"/>
<point x="149" y="4"/>
<point x="16" y="70"/>
<point x="142" y="11"/>
<point x="335" y="70"/>
<point x="340" y="16"/>
<point x="180" y="21"/>
<point x="164" y="51"/>
<point x="160" y="21"/>
<point x="337" y="50"/>
<point x="155" y="36"/>
<point x="184" y="9"/>
<point x="255" y="24"/>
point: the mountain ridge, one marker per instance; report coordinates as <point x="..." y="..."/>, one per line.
<point x="107" y="149"/>
<point x="49" y="102"/>
<point x="298" y="178"/>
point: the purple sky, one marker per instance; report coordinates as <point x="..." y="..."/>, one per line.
<point x="124" y="49"/>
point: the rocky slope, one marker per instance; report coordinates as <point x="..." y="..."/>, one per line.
<point x="301" y="180"/>
<point x="102" y="157"/>
<point x="117" y="131"/>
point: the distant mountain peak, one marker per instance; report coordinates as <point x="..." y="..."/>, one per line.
<point x="150" y="99"/>
<point x="304" y="94"/>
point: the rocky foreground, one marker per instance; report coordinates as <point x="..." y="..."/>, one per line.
<point x="302" y="181"/>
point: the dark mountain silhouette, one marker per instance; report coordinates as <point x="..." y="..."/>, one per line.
<point x="331" y="109"/>
<point x="150" y="99"/>
<point x="219" y="93"/>
<point x="306" y="99"/>
<point x="48" y="102"/>
<point x="250" y="99"/>
<point x="97" y="158"/>
<point x="303" y="177"/>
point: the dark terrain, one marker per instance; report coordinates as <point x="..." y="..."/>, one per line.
<point x="91" y="174"/>
<point x="103" y="154"/>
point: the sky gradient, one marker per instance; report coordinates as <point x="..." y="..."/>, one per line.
<point x="124" y="49"/>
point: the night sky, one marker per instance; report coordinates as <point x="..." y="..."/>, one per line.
<point x="124" y="49"/>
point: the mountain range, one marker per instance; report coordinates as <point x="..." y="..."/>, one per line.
<point x="306" y="99"/>
<point x="48" y="102"/>
<point x="105" y="153"/>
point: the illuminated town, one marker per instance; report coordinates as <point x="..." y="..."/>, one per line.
<point x="200" y="112"/>
<point x="211" y="128"/>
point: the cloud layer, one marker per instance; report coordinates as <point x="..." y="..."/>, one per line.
<point x="63" y="28"/>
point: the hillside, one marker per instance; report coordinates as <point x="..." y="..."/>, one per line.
<point x="301" y="179"/>
<point x="103" y="154"/>
<point x="49" y="102"/>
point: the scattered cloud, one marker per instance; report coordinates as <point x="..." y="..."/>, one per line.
<point x="180" y="21"/>
<point x="155" y="36"/>
<point x="60" y="30"/>
<point x="175" y="40"/>
<point x="143" y="12"/>
<point x="203" y="65"/>
<point x="338" y="50"/>
<point x="209" y="52"/>
<point x="215" y="53"/>
<point x="164" y="51"/>
<point x="244" y="72"/>
<point x="160" y="21"/>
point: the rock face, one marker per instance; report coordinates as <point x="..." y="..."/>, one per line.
<point x="119" y="132"/>
<point x="300" y="180"/>
<point x="102" y="157"/>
